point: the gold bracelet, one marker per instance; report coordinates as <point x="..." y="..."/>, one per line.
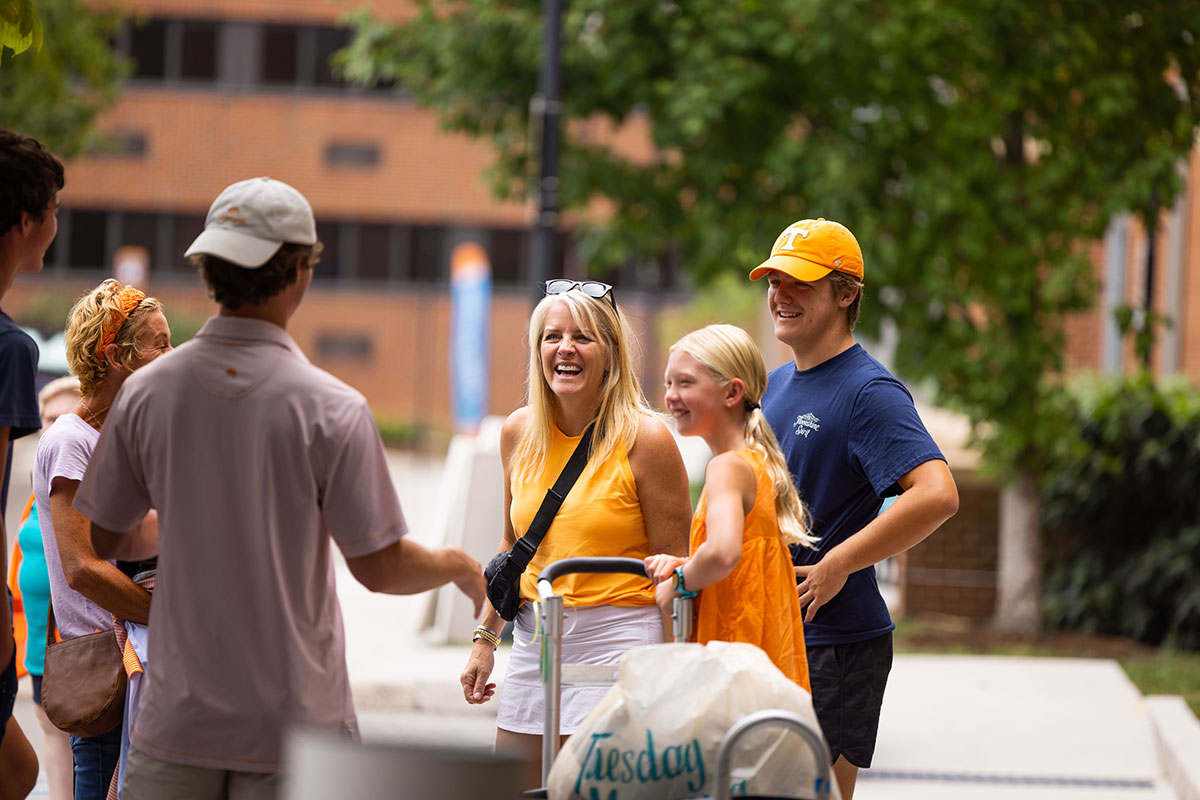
<point x="487" y="634"/>
<point x="488" y="637"/>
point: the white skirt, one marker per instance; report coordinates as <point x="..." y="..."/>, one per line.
<point x="591" y="635"/>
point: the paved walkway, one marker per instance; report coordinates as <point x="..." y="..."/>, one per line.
<point x="953" y="726"/>
<point x="970" y="726"/>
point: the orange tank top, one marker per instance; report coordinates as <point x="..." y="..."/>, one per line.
<point x="757" y="602"/>
<point x="601" y="516"/>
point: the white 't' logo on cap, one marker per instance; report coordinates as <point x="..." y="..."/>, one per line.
<point x="789" y="237"/>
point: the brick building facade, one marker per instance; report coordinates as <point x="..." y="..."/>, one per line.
<point x="221" y="91"/>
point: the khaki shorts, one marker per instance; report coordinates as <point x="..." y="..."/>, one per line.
<point x="148" y="778"/>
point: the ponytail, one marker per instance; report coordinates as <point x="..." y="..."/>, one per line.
<point x="728" y="352"/>
<point x="793" y="518"/>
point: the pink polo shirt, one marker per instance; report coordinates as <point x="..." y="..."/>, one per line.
<point x="254" y="459"/>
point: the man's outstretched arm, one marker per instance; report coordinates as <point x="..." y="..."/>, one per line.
<point x="407" y="567"/>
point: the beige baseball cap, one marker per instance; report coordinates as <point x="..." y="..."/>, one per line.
<point x="250" y="220"/>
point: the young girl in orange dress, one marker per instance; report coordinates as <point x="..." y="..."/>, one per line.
<point x="739" y="562"/>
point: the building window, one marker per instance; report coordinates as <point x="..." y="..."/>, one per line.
<point x="148" y="48"/>
<point x="128" y="144"/>
<point x="236" y="53"/>
<point x="280" y="54"/>
<point x="139" y="229"/>
<point x="329" y="41"/>
<point x="508" y="254"/>
<point x="132" y="144"/>
<point x="353" y="253"/>
<point x="330" y="267"/>
<point x="351" y="154"/>
<point x="88" y="248"/>
<point x="119" y="144"/>
<point x="198" y="60"/>
<point x="344" y="347"/>
<point x="375" y="254"/>
<point x="184" y="230"/>
<point x="425" y="261"/>
<point x="51" y="257"/>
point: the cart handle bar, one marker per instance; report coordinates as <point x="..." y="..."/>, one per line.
<point x="570" y="566"/>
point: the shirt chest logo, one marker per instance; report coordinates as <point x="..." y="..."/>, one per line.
<point x="806" y="424"/>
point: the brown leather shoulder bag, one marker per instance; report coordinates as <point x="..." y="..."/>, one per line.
<point x="84" y="681"/>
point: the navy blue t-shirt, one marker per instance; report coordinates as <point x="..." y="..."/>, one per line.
<point x="848" y="431"/>
<point x="18" y="391"/>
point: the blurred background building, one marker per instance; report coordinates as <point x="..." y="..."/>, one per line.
<point x="221" y="91"/>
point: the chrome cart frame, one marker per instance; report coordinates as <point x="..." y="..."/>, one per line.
<point x="554" y="671"/>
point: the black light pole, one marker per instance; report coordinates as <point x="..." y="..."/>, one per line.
<point x="1151" y="250"/>
<point x="549" y="92"/>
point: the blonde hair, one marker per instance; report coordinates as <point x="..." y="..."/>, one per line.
<point x="622" y="403"/>
<point x="728" y="352"/>
<point x="67" y="384"/>
<point x="85" y="330"/>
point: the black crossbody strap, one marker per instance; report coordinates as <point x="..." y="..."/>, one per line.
<point x="527" y="545"/>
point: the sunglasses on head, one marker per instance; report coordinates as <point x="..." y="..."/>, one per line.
<point x="594" y="289"/>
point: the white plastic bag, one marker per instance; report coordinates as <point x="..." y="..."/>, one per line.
<point x="656" y="733"/>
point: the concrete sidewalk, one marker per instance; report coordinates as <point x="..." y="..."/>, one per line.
<point x="970" y="726"/>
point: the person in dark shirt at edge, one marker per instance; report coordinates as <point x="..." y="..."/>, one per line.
<point x="30" y="180"/>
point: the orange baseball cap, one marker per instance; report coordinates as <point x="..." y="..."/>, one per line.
<point x="810" y="249"/>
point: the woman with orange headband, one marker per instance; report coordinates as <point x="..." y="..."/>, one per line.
<point x="111" y="331"/>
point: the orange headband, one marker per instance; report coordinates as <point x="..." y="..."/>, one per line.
<point x="127" y="300"/>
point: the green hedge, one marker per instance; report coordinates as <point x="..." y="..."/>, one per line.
<point x="1121" y="512"/>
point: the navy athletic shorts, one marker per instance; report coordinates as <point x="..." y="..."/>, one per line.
<point x="847" y="683"/>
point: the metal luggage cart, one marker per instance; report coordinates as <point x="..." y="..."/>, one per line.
<point x="555" y="673"/>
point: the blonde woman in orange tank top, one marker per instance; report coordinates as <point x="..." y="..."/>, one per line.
<point x="748" y="511"/>
<point x="631" y="500"/>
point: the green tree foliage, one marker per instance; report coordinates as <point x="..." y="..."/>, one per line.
<point x="1120" y="498"/>
<point x="972" y="145"/>
<point x="20" y="26"/>
<point x="56" y="92"/>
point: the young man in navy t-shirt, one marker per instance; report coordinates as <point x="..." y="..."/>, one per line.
<point x="851" y="437"/>
<point x="30" y="178"/>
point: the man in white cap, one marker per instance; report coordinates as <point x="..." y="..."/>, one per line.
<point x="851" y="436"/>
<point x="254" y="459"/>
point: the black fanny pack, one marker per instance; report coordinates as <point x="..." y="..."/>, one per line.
<point x="503" y="572"/>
